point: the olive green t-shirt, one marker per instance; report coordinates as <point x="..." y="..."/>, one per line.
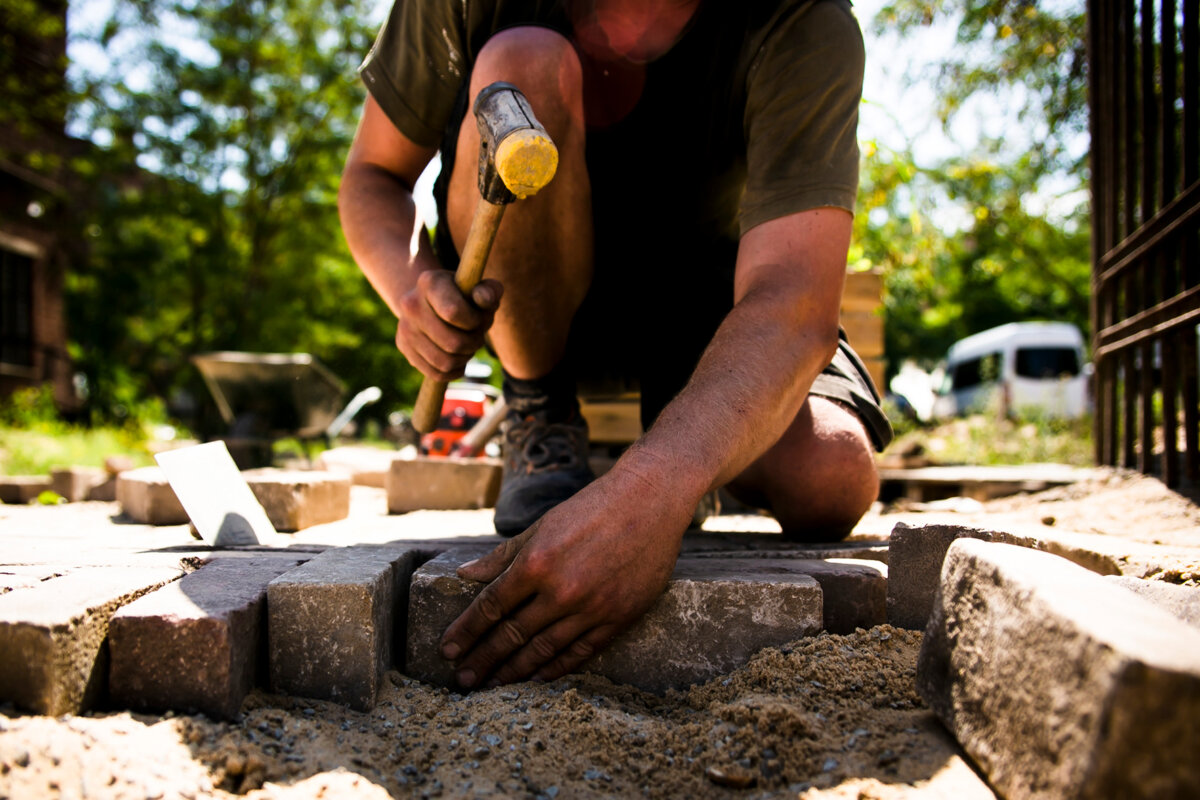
<point x="749" y="117"/>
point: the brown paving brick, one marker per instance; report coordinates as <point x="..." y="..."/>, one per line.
<point x="295" y="500"/>
<point x="194" y="644"/>
<point x="442" y="483"/>
<point x="52" y="655"/>
<point x="146" y="496"/>
<point x="334" y="623"/>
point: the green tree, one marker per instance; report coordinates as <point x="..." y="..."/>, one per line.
<point x="237" y="116"/>
<point x="966" y="241"/>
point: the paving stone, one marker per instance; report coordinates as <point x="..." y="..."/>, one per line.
<point x="295" y="500"/>
<point x="194" y="644"/>
<point x="366" y="466"/>
<point x="52" y="655"/>
<point x="442" y="483"/>
<point x="854" y="589"/>
<point x="22" y="489"/>
<point x="336" y="623"/>
<point x="1181" y="601"/>
<point x="713" y="616"/>
<point x="77" y="483"/>
<point x="916" y="553"/>
<point x="1057" y="683"/>
<point x="146" y="496"/>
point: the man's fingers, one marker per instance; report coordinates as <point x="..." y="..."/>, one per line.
<point x="495" y="603"/>
<point x="541" y="650"/>
<point x="487" y="568"/>
<point x="448" y="303"/>
<point x="578" y="653"/>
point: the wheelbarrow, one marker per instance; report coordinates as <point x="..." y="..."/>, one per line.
<point x="265" y="397"/>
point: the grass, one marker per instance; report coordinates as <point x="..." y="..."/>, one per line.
<point x="987" y="439"/>
<point x="37" y="451"/>
<point x="34" y="440"/>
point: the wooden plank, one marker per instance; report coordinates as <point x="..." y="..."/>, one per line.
<point x="865" y="332"/>
<point x="863" y="291"/>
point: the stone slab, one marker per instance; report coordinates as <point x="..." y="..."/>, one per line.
<point x="1057" y="683"/>
<point x="77" y="484"/>
<point x="146" y="496"/>
<point x="52" y="655"/>
<point x="194" y="644"/>
<point x="22" y="489"/>
<point x="335" y="623"/>
<point x="917" y="551"/>
<point x="1181" y="601"/>
<point x="443" y="483"/>
<point x="295" y="499"/>
<point x="713" y="616"/>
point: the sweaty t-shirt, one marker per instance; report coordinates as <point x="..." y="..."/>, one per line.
<point x="750" y="116"/>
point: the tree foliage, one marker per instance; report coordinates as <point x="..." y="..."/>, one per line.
<point x="968" y="241"/>
<point x="237" y="116"/>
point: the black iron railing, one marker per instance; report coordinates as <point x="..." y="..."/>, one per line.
<point x="1144" y="76"/>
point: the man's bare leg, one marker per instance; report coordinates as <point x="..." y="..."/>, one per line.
<point x="543" y="251"/>
<point x="819" y="479"/>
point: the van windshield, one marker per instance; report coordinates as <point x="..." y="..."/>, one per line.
<point x="1047" y="362"/>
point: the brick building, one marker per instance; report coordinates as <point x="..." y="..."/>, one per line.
<point x="39" y="237"/>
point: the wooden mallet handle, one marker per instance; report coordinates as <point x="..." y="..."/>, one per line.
<point x="516" y="159"/>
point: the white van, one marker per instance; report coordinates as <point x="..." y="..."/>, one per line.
<point x="1036" y="367"/>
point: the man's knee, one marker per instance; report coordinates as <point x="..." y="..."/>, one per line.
<point x="539" y="61"/>
<point x="820" y="479"/>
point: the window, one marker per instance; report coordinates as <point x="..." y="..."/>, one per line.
<point x="1047" y="362"/>
<point x="985" y="369"/>
<point x="16" y="304"/>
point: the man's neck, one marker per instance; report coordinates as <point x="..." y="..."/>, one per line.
<point x="636" y="30"/>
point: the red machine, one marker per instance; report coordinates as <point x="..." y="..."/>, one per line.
<point x="465" y="404"/>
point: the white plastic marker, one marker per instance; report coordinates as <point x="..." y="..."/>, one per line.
<point x="215" y="495"/>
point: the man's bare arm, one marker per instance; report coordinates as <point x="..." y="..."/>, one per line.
<point x="438" y="330"/>
<point x="593" y="565"/>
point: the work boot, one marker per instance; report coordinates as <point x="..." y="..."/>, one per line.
<point x="545" y="460"/>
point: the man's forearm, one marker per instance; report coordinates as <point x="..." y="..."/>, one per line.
<point x="381" y="225"/>
<point x="746" y="390"/>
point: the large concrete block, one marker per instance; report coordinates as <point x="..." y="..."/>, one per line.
<point x="295" y="500"/>
<point x="52" y="655"/>
<point x="443" y="483"/>
<point x="1057" y="683"/>
<point x="194" y="644"/>
<point x="713" y="616"/>
<point x="22" y="489"/>
<point x="146" y="496"/>
<point x="1180" y="601"/>
<point x="76" y="484"/>
<point x="334" y="623"/>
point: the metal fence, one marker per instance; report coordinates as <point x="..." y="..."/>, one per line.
<point x="1144" y="74"/>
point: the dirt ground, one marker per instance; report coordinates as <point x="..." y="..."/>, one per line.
<point x="827" y="717"/>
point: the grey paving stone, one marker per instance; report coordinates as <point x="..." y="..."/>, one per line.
<point x="194" y="644"/>
<point x="442" y="483"/>
<point x="1181" y="601"/>
<point x="52" y="655"/>
<point x="334" y="623"/>
<point x="146" y="496"/>
<point x="713" y="616"/>
<point x="1057" y="683"/>
<point x="854" y="589"/>
<point x="295" y="500"/>
<point x="22" y="489"/>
